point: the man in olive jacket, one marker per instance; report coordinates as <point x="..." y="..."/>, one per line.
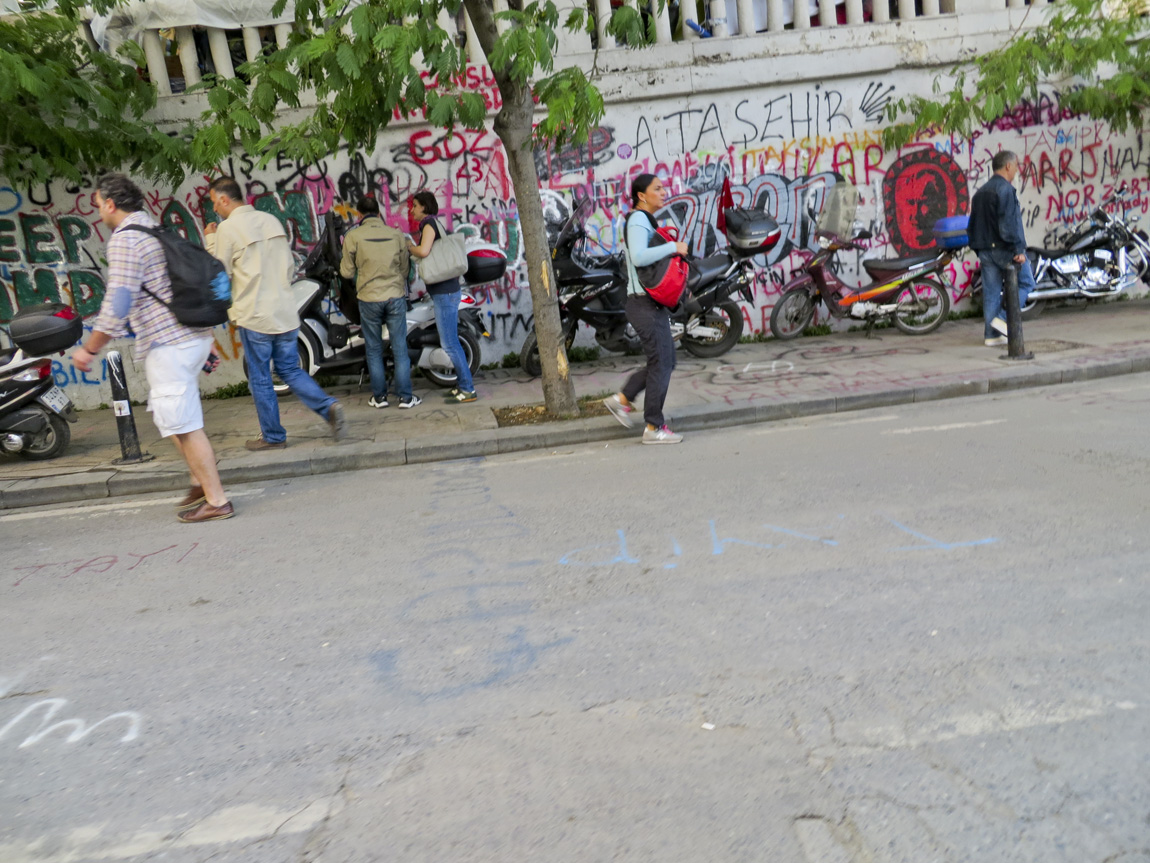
<point x="376" y="255"/>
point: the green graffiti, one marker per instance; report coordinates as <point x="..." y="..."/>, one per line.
<point x="34" y="237"/>
<point x="34" y="288"/>
<point x="73" y="231"/>
<point x="176" y="216"/>
<point x="8" y="251"/>
<point x="7" y="309"/>
<point x="296" y="211"/>
<point x="87" y="291"/>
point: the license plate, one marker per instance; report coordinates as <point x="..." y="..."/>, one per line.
<point x="56" y="400"/>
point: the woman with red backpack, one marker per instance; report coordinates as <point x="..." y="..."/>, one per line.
<point x="651" y="320"/>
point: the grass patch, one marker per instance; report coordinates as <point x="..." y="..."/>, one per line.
<point x="964" y="314"/>
<point x="230" y="391"/>
<point x="817" y="330"/>
<point x="582" y="355"/>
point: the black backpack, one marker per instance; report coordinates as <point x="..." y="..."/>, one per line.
<point x="201" y="288"/>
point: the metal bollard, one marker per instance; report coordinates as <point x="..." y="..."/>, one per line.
<point x="125" y="421"/>
<point x="1016" y="349"/>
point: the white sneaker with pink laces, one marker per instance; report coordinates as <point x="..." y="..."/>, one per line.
<point x="661" y="435"/>
<point x="619" y="410"/>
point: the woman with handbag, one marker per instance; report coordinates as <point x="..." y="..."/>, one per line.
<point x="651" y="320"/>
<point x="445" y="294"/>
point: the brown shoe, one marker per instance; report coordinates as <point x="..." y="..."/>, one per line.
<point x="259" y="445"/>
<point x="206" y="512"/>
<point x="337" y="421"/>
<point x="194" y="496"/>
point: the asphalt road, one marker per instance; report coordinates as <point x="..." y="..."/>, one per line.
<point x="915" y="634"/>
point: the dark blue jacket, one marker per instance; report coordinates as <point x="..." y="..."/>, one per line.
<point x="996" y="218"/>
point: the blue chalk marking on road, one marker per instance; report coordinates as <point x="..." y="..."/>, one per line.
<point x="717" y="545"/>
<point x="676" y="550"/>
<point x="935" y="543"/>
<point x="518" y="657"/>
<point x="778" y="529"/>
<point x="623" y="556"/>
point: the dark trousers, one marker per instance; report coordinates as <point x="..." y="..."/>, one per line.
<point x="653" y="324"/>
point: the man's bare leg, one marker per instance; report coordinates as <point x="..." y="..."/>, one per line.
<point x="197" y="451"/>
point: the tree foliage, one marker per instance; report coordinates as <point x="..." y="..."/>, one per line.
<point x="71" y="110"/>
<point x="1093" y="51"/>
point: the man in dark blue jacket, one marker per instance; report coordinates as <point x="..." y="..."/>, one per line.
<point x="997" y="235"/>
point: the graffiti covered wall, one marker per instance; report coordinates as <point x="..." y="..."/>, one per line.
<point x="781" y="149"/>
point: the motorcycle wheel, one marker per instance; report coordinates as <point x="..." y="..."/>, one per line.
<point x="445" y="376"/>
<point x="49" y="443"/>
<point x="1030" y="311"/>
<point x="280" y="388"/>
<point x="911" y="318"/>
<point x="529" y="354"/>
<point x="726" y="317"/>
<point x="792" y="313"/>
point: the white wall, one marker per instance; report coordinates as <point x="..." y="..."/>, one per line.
<point x="779" y="143"/>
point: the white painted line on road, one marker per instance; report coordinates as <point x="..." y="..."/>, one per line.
<point x="248" y="823"/>
<point x="827" y="425"/>
<point x="948" y="427"/>
<point x="104" y="508"/>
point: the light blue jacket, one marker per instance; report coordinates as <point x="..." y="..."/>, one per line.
<point x="639" y="252"/>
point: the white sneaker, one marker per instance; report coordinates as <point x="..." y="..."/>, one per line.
<point x="994" y="343"/>
<point x="410" y="403"/>
<point x="999" y="326"/>
<point x="377" y="403"/>
<point x="619" y="410"/>
<point x="661" y="435"/>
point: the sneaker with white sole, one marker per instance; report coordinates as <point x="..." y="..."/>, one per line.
<point x="378" y="403"/>
<point x="410" y="403"/>
<point x="661" y="435"/>
<point x="994" y="343"/>
<point x="999" y="326"/>
<point x="619" y="410"/>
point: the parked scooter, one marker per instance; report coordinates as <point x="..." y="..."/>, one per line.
<point x="908" y="291"/>
<point x="1100" y="257"/>
<point x="330" y="339"/>
<point x="593" y="290"/>
<point x="34" y="412"/>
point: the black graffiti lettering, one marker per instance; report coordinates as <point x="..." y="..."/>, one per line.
<point x="754" y="129"/>
<point x="771" y="118"/>
<point x="682" y="132"/>
<point x="712" y="111"/>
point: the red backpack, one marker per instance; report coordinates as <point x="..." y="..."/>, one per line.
<point x="665" y="279"/>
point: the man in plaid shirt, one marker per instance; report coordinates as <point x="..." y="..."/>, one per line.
<point x="172" y="353"/>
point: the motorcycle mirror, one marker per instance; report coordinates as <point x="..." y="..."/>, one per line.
<point x="863" y="235"/>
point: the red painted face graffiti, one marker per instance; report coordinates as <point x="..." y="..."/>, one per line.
<point x="918" y="190"/>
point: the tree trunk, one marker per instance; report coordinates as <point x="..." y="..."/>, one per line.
<point x="514" y="126"/>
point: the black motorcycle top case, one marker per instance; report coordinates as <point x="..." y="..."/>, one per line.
<point x="39" y="330"/>
<point x="482" y="269"/>
<point x="751" y="231"/>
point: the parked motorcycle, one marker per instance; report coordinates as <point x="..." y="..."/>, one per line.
<point x="907" y="291"/>
<point x="593" y="290"/>
<point x="1100" y="257"/>
<point x="34" y="412"/>
<point x="330" y="339"/>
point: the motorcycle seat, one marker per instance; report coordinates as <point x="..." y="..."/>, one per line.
<point x="1048" y="253"/>
<point x="875" y="266"/>
<point x="706" y="270"/>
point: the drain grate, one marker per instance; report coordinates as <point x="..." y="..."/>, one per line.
<point x="1052" y="346"/>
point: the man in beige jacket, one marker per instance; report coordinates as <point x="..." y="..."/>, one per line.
<point x="254" y="248"/>
<point x="376" y="254"/>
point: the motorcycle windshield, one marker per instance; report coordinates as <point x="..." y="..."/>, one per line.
<point x="840" y="207"/>
<point x="573" y="227"/>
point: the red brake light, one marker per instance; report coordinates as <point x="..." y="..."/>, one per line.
<point x="67" y="313"/>
<point x="45" y="368"/>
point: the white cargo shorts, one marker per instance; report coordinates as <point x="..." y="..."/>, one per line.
<point x="173" y="385"/>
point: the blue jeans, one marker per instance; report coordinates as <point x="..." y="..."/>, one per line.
<point x="447" y="322"/>
<point x="373" y="316"/>
<point x="994" y="264"/>
<point x="281" y="350"/>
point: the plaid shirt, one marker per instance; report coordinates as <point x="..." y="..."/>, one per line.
<point x="137" y="261"/>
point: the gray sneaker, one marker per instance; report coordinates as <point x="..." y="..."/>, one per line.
<point x="661" y="435"/>
<point x="408" y="404"/>
<point x="995" y="342"/>
<point x="619" y="410"/>
<point x="337" y="421"/>
<point x="999" y="326"/>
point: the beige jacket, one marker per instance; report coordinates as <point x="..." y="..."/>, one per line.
<point x="254" y="248"/>
<point x="378" y="254"/>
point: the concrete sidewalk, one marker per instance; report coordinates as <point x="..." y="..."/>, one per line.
<point x="752" y="383"/>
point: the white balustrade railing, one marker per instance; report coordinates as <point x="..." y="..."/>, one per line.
<point x="178" y="58"/>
